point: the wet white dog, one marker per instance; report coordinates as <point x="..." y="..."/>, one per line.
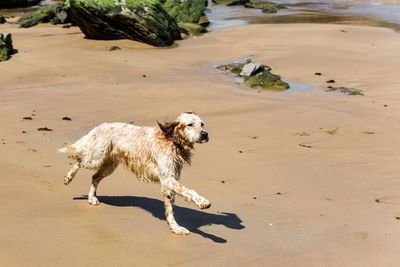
<point x="152" y="154"/>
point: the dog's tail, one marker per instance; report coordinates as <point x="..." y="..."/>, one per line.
<point x="67" y="149"/>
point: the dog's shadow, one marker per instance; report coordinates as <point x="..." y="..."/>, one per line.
<point x="193" y="220"/>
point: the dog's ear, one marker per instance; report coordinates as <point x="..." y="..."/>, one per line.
<point x="168" y="128"/>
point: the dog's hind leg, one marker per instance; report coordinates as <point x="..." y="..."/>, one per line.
<point x="105" y="170"/>
<point x="169" y="199"/>
<point x="72" y="172"/>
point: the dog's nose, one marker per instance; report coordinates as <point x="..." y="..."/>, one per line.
<point x="204" y="135"/>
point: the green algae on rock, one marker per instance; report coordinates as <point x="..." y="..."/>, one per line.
<point x="55" y="14"/>
<point x="189" y="11"/>
<point x="267" y="81"/>
<point x="345" y="90"/>
<point x="6" y="46"/>
<point x="140" y="20"/>
<point x="191" y="28"/>
<point x="262" y="79"/>
<point x="266" y="7"/>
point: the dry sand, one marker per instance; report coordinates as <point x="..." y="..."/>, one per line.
<point x="281" y="204"/>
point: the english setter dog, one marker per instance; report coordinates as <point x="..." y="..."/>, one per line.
<point x="153" y="154"/>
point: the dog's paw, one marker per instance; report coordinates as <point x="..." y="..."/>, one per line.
<point x="66" y="180"/>
<point x="203" y="203"/>
<point x="94" y="201"/>
<point x="179" y="230"/>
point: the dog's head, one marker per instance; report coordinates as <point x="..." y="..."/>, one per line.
<point x="186" y="130"/>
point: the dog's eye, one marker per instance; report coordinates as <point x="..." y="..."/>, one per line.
<point x="202" y="124"/>
<point x="190" y="125"/>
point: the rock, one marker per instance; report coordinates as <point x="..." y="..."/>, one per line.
<point x="267" y="81"/>
<point x="237" y="3"/>
<point x="345" y="90"/>
<point x="2" y="19"/>
<point x="266" y="7"/>
<point x="6" y="46"/>
<point x="203" y="21"/>
<point x="114" y="48"/>
<point x="54" y="14"/>
<point x="251" y="69"/>
<point x="17" y="3"/>
<point x="189" y="11"/>
<point x="191" y="28"/>
<point x="140" y="20"/>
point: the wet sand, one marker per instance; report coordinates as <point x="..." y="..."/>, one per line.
<point x="331" y="202"/>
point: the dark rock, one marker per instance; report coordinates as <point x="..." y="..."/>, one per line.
<point x="140" y="20"/>
<point x="266" y="7"/>
<point x="17" y="3"/>
<point x="114" y="47"/>
<point x="238" y="3"/>
<point x="45" y="129"/>
<point x="318" y="73"/>
<point x="27" y="118"/>
<point x="6" y="46"/>
<point x="2" y="19"/>
<point x="66" y="119"/>
<point x="203" y="21"/>
<point x="55" y="14"/>
<point x="330" y="81"/>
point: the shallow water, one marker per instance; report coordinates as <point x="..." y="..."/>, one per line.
<point x="384" y="13"/>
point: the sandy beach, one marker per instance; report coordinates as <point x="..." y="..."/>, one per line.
<point x="332" y="202"/>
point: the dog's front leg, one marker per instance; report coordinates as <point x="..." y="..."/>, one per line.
<point x="169" y="198"/>
<point x="189" y="194"/>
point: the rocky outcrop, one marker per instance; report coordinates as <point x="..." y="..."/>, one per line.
<point x="54" y="14"/>
<point x="141" y="20"/>
<point x="266" y="7"/>
<point x="6" y="46"/>
<point x="17" y="3"/>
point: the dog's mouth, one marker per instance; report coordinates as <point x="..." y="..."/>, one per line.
<point x="203" y="141"/>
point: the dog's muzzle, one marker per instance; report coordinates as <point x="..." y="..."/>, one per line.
<point x="203" y="137"/>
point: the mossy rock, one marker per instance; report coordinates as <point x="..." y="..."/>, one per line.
<point x="267" y="7"/>
<point x="191" y="28"/>
<point x="267" y="81"/>
<point x="185" y="10"/>
<point x="18" y="3"/>
<point x="140" y="20"/>
<point x="2" y="19"/>
<point x="345" y="90"/>
<point x="6" y="46"/>
<point x="203" y="21"/>
<point x="234" y="68"/>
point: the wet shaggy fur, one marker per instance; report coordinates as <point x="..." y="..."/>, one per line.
<point x="154" y="154"/>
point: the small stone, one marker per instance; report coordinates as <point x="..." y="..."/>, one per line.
<point x="240" y="151"/>
<point x="144" y="76"/>
<point x="318" y="73"/>
<point x="251" y="69"/>
<point x="330" y="81"/>
<point x="114" y="47"/>
<point x="254" y="197"/>
<point x="27" y="118"/>
<point x="44" y="129"/>
<point x="278" y="193"/>
<point x="66" y="118"/>
<point x="222" y="181"/>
